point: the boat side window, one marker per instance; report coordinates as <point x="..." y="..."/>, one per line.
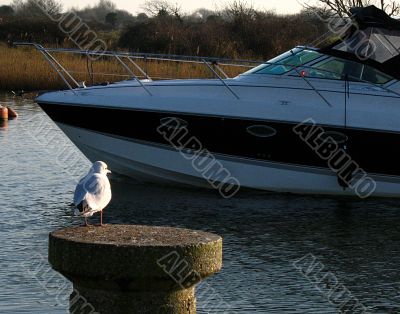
<point x="374" y="76"/>
<point x="338" y="69"/>
<point x="286" y="62"/>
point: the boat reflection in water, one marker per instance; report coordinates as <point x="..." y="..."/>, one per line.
<point x="265" y="233"/>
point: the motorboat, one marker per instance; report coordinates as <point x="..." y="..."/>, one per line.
<point x="312" y="120"/>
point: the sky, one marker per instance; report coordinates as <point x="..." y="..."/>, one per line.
<point x="134" y="6"/>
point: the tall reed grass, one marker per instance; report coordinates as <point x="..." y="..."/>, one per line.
<point x="24" y="68"/>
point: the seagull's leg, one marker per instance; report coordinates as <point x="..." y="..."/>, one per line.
<point x="86" y="223"/>
<point x="101" y="218"/>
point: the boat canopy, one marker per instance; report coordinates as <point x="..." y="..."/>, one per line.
<point x="373" y="39"/>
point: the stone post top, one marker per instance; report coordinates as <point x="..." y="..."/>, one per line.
<point x="136" y="255"/>
<point x="135" y="235"/>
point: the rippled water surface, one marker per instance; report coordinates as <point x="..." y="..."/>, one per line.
<point x="355" y="243"/>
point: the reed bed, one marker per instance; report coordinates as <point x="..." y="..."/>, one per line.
<point x="24" y="68"/>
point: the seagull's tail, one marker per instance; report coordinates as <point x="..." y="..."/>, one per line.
<point x="82" y="208"/>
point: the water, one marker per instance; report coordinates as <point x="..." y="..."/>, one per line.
<point x="264" y="234"/>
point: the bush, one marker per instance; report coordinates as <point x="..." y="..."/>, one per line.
<point x="257" y="35"/>
<point x="32" y="30"/>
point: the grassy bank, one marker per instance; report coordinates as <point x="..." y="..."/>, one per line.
<point x="26" y="69"/>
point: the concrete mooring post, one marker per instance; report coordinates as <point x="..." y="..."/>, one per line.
<point x="134" y="269"/>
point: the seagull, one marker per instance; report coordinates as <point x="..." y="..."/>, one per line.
<point x="93" y="192"/>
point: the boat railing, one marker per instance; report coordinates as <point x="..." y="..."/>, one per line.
<point x="129" y="62"/>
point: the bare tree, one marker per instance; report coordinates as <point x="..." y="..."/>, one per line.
<point x="342" y="7"/>
<point x="240" y="9"/>
<point x="162" y="8"/>
<point x="36" y="8"/>
<point x="391" y="7"/>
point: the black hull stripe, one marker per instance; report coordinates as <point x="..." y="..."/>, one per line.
<point x="376" y="152"/>
<point x="256" y="162"/>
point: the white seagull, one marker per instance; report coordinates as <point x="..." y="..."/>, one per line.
<point x="93" y="192"/>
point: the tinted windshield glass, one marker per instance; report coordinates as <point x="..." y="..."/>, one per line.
<point x="286" y="62"/>
<point x="340" y="69"/>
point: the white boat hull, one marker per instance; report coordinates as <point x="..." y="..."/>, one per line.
<point x="161" y="163"/>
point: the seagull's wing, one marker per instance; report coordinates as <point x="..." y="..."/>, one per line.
<point x="98" y="191"/>
<point x="80" y="191"/>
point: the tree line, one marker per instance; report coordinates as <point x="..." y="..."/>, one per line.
<point x="236" y="31"/>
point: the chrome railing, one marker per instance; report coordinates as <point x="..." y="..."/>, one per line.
<point x="214" y="65"/>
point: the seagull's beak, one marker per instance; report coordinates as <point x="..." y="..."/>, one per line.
<point x="108" y="171"/>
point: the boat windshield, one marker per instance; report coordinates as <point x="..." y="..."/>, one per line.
<point x="340" y="69"/>
<point x="286" y="62"/>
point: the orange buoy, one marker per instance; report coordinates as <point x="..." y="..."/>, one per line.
<point x="3" y="113"/>
<point x="12" y="114"/>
